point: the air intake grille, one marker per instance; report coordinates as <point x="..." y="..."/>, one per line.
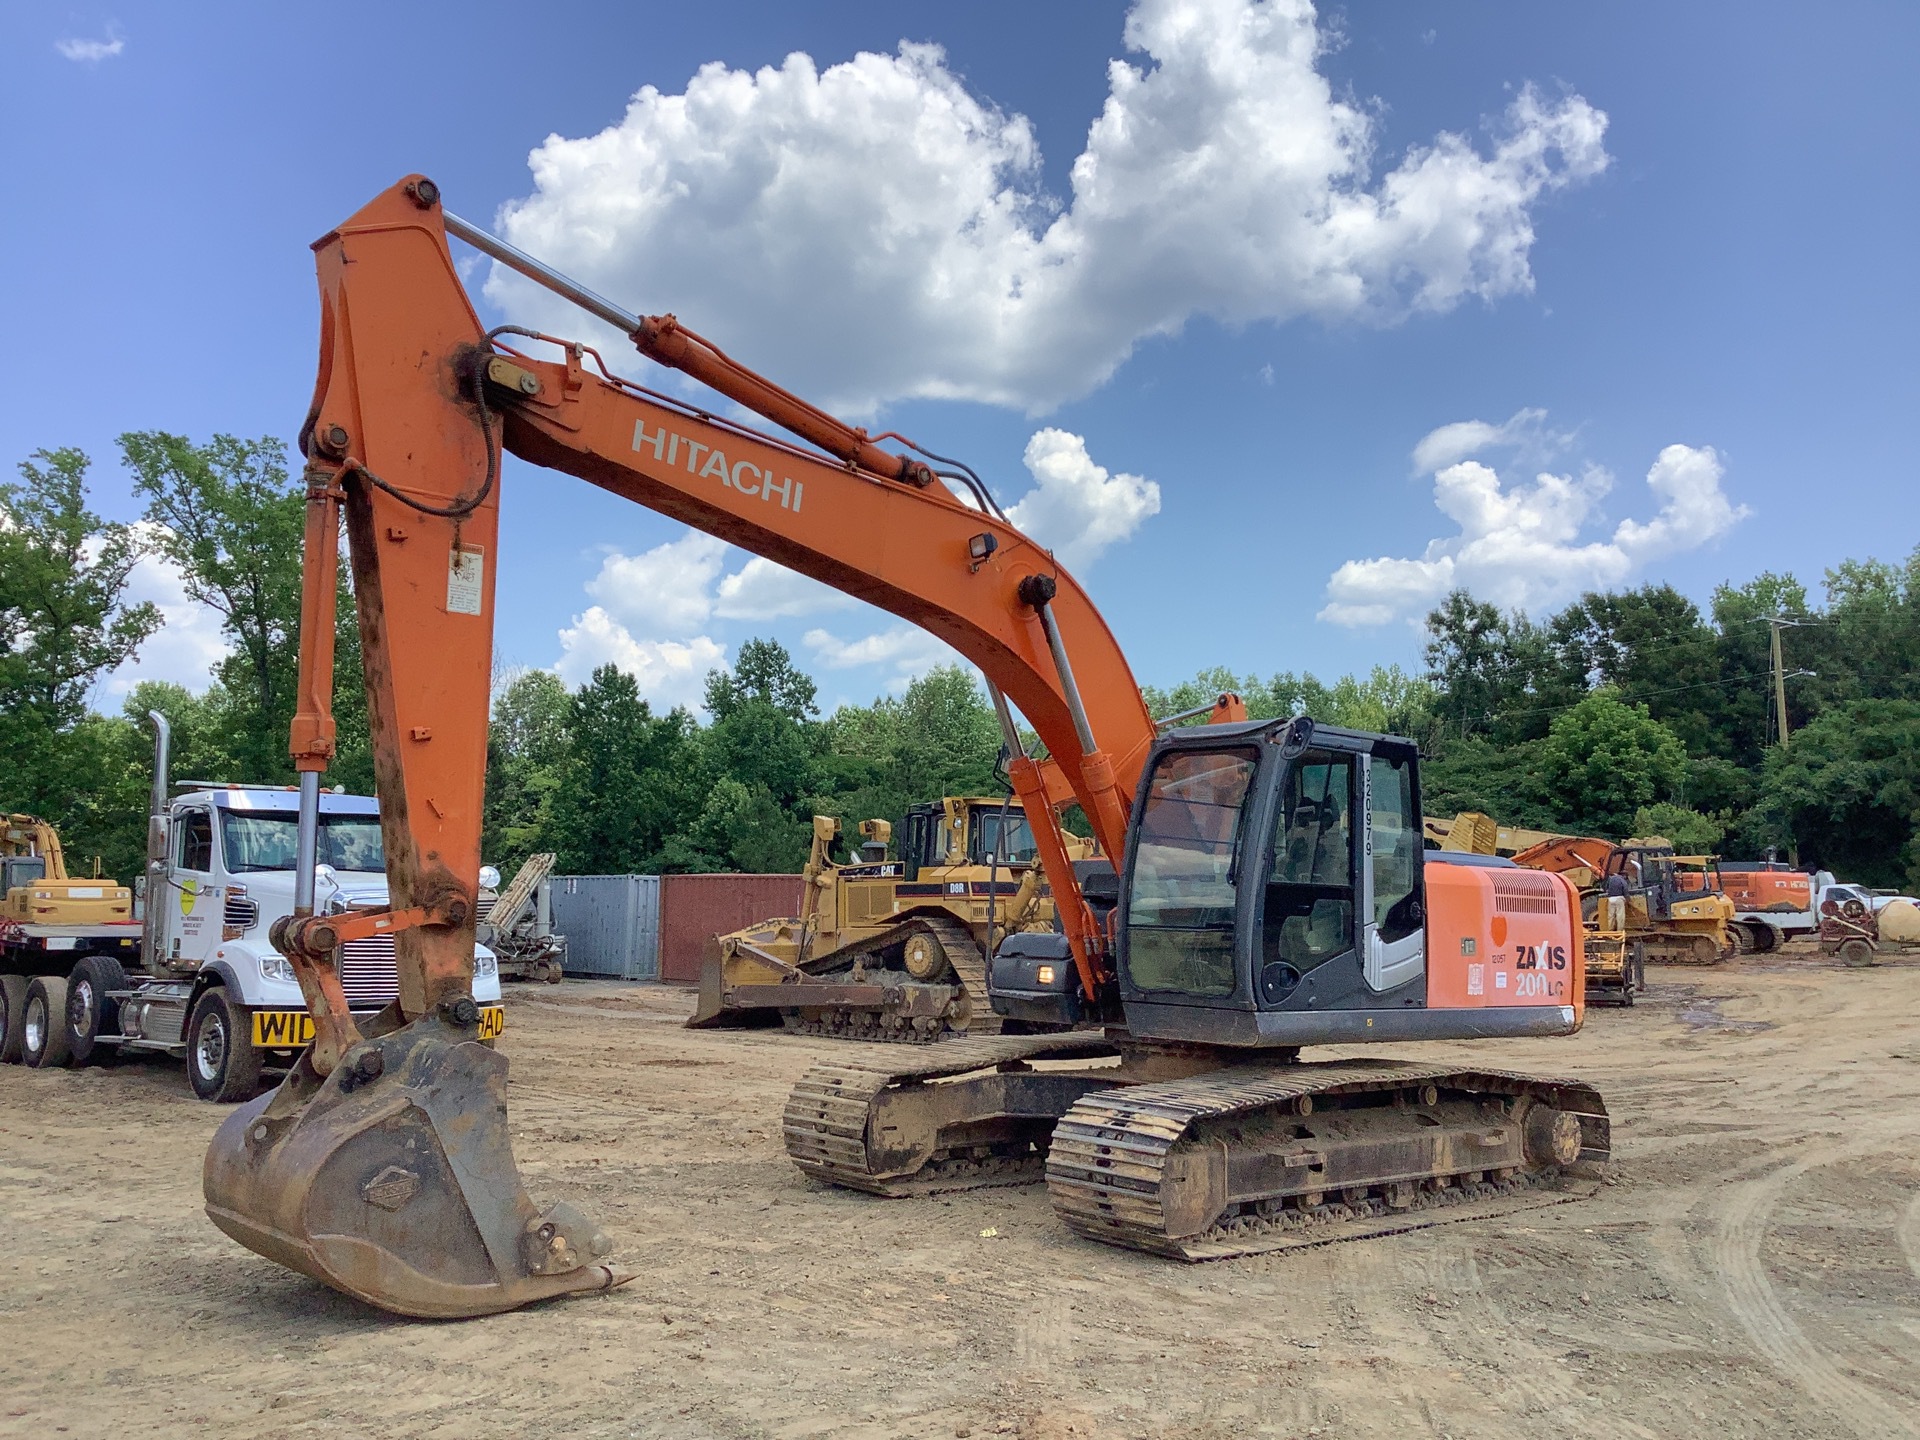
<point x="1525" y="894"/>
<point x="483" y="907"/>
<point x="240" y="912"/>
<point x="368" y="974"/>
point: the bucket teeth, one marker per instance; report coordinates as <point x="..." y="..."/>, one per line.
<point x="393" y="1181"/>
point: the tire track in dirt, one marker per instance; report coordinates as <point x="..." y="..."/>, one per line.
<point x="1909" y="1236"/>
<point x="1750" y="1297"/>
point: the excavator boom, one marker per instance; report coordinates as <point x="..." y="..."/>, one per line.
<point x="381" y="1140"/>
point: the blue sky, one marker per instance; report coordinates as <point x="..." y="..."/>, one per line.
<point x="1669" y="241"/>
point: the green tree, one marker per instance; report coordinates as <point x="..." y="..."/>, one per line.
<point x="626" y="782"/>
<point x="527" y="747"/>
<point x="1490" y="671"/>
<point x="1746" y="668"/>
<point x="940" y="738"/>
<point x="1847" y="788"/>
<point x="229" y="517"/>
<point x="1650" y="644"/>
<point x="1603" y="760"/>
<point x="64" y="622"/>
<point x="1690" y="831"/>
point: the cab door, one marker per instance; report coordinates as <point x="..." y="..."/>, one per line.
<point x="1392" y="872"/>
<point x="190" y="899"/>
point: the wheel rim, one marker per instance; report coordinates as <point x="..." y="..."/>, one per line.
<point x="80" y="1008"/>
<point x="34" y="1033"/>
<point x="210" y="1051"/>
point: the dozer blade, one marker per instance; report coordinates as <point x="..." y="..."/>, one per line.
<point x="392" y="1180"/>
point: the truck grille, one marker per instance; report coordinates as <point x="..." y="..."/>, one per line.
<point x="368" y="973"/>
<point x="240" y="913"/>
<point x="483" y="907"/>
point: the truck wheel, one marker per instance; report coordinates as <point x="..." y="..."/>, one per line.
<point x="91" y="1012"/>
<point x="222" y="1065"/>
<point x="13" y="1015"/>
<point x="43" y="1038"/>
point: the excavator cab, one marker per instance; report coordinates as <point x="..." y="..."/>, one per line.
<point x="1276" y="893"/>
<point x="1273" y="869"/>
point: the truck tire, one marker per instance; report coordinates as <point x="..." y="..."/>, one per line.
<point x="43" y="1038"/>
<point x="222" y="1065"/>
<point x="90" y="1011"/>
<point x="13" y="1015"/>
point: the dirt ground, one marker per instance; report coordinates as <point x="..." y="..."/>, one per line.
<point x="1754" y="1269"/>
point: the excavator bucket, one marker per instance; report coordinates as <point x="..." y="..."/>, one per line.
<point x="392" y="1179"/>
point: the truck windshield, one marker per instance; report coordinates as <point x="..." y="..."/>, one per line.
<point x="1181" y="890"/>
<point x="268" y="842"/>
<point x="1011" y="843"/>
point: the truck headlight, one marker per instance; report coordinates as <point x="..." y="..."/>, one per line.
<point x="485" y="962"/>
<point x="276" y="966"/>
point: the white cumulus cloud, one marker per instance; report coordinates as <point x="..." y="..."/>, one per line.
<point x="794" y="213"/>
<point x="668" y="590"/>
<point x="762" y="590"/>
<point x="1078" y="509"/>
<point x="1519" y="544"/>
<point x="185" y="648"/>
<point x="91" y="52"/>
<point x="904" y="652"/>
<point x="1524" y="432"/>
<point x="669" y="672"/>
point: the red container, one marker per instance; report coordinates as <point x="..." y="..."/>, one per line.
<point x="695" y="908"/>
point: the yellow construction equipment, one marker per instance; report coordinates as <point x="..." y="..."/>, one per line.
<point x="1671" y="910"/>
<point x="35" y="888"/>
<point x="889" y="948"/>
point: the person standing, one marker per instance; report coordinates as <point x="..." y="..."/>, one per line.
<point x="1617" y="901"/>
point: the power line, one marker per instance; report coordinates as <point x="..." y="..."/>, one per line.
<point x="1648" y="694"/>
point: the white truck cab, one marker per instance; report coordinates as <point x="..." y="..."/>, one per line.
<point x="204" y="981"/>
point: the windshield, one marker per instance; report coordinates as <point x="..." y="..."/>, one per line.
<point x="1011" y="842"/>
<point x="267" y="842"/>
<point x="1181" y="893"/>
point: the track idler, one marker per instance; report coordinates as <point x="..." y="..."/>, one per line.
<point x="392" y="1180"/>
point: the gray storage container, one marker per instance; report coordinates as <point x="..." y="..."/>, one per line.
<point x="612" y="924"/>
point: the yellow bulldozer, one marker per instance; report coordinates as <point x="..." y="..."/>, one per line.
<point x="888" y="947"/>
<point x="35" y="888"/>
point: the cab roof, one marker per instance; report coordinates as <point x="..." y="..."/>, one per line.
<point x="261" y="800"/>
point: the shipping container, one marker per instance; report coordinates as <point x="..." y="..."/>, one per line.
<point x="612" y="924"/>
<point x="695" y="908"/>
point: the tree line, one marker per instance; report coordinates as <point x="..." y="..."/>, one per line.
<point x="1625" y="712"/>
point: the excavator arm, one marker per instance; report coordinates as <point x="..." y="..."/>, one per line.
<point x="414" y="405"/>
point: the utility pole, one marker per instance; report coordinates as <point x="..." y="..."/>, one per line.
<point x="1775" y="624"/>
<point x="1774" y="627"/>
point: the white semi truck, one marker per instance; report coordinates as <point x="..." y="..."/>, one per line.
<point x="196" y="975"/>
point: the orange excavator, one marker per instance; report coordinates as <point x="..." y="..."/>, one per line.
<point x="1270" y="890"/>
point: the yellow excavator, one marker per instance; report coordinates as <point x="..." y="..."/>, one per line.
<point x="35" y="888"/>
<point x="889" y="946"/>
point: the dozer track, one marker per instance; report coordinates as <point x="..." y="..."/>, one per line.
<point x="1259" y="1158"/>
<point x="858" y="1022"/>
<point x="971" y="1114"/>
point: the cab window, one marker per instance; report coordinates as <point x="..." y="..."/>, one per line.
<point x="1308" y="914"/>
<point x="1182" y="890"/>
<point x="1397" y="857"/>
<point x="195" y="837"/>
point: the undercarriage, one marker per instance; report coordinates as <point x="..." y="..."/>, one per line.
<point x="1196" y="1152"/>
